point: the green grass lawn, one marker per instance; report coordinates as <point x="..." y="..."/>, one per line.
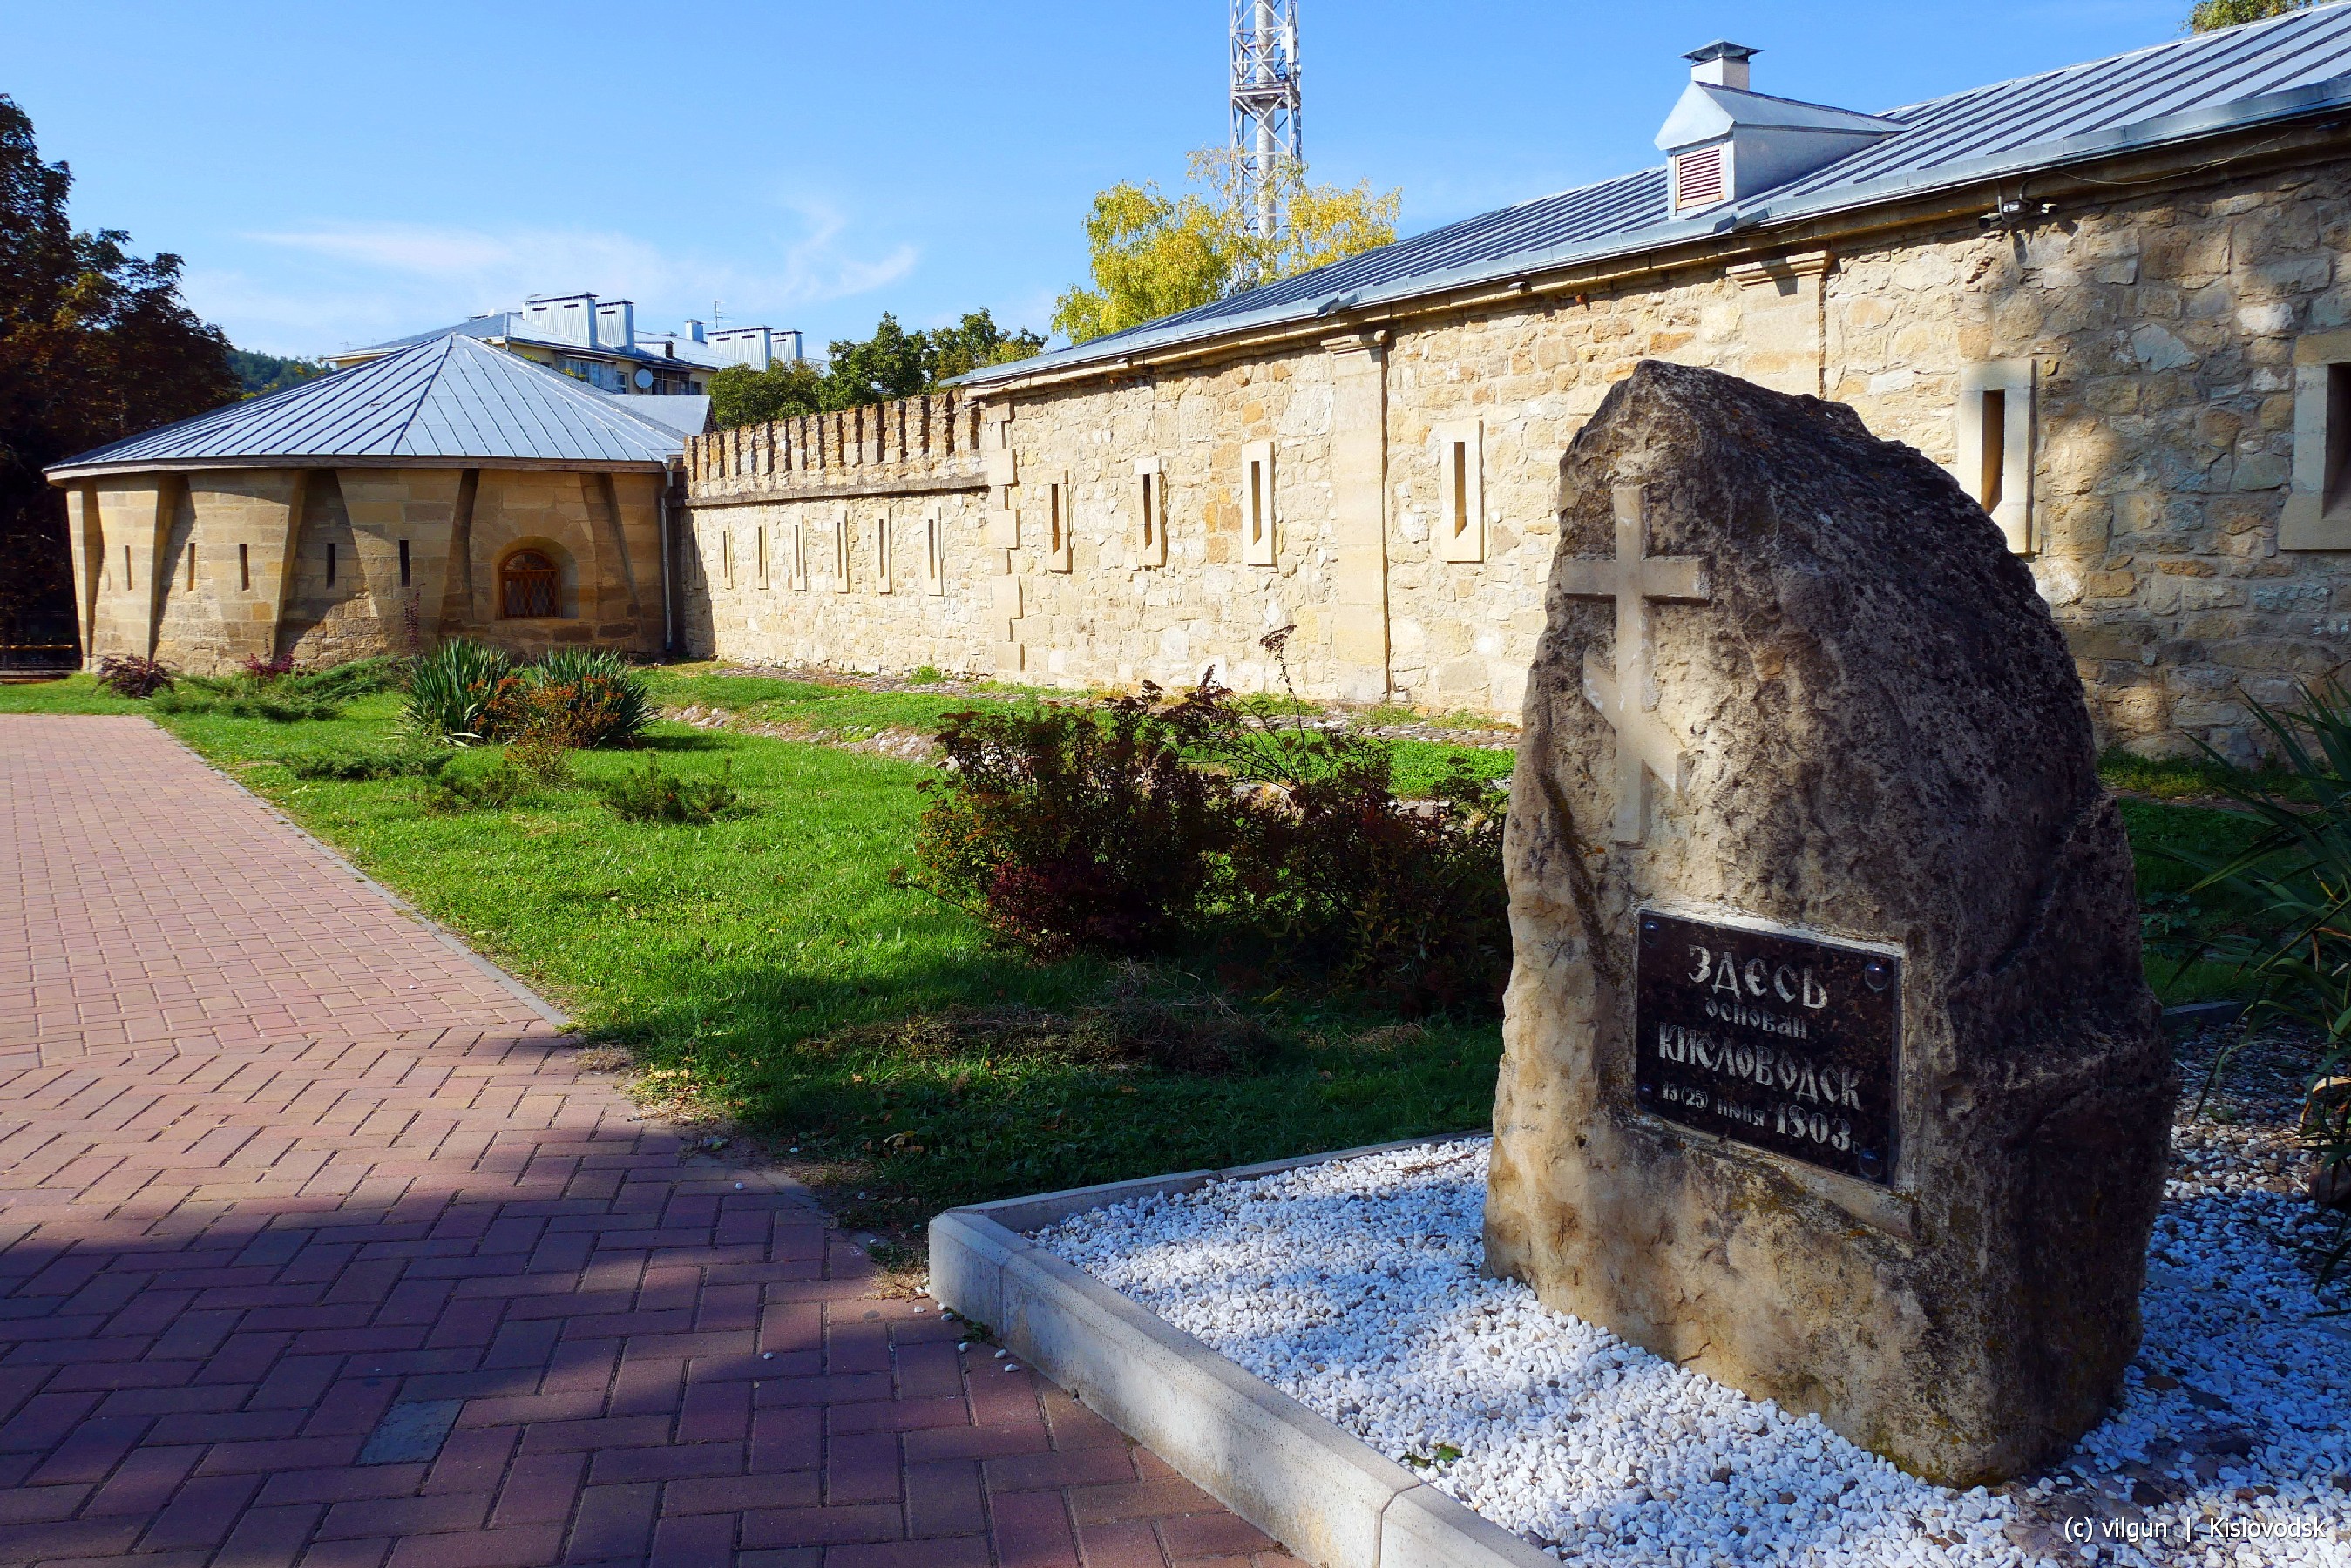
<point x="726" y="957"/>
<point x="737" y="960"/>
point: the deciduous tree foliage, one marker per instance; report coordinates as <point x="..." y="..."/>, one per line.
<point x="1153" y="255"/>
<point x="2211" y="15"/>
<point x="893" y="363"/>
<point x="95" y="344"/>
<point x="257" y="372"/>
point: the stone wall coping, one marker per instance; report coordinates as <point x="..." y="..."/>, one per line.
<point x="849" y="489"/>
<point x="1328" y="1496"/>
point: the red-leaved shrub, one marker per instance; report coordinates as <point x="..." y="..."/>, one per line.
<point x="128" y="675"/>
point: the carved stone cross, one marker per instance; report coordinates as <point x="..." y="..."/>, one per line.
<point x="1627" y="696"/>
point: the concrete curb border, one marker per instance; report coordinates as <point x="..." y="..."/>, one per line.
<point x="1325" y="1494"/>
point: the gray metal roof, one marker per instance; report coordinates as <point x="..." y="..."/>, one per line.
<point x="2293" y="65"/>
<point x="686" y="413"/>
<point x="496" y="324"/>
<point x="452" y="400"/>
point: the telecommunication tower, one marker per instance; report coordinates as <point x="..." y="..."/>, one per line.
<point x="1266" y="118"/>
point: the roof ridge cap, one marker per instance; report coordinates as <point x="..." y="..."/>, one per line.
<point x="424" y="393"/>
<point x="2303" y="16"/>
<point x="1712" y="88"/>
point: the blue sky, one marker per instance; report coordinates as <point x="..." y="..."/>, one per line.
<point x="337" y="174"/>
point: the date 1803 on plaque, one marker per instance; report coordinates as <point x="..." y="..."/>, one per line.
<point x="1783" y="1043"/>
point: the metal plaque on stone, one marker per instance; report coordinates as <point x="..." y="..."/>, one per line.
<point x="1784" y="1042"/>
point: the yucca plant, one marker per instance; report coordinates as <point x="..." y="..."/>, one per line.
<point x="450" y="690"/>
<point x="2294" y="945"/>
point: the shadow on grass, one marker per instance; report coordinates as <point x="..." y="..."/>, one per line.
<point x="989" y="1116"/>
<point x="694" y="743"/>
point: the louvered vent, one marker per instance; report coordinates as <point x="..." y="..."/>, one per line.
<point x="1697" y="179"/>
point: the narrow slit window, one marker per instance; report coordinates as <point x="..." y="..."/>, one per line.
<point x="1062" y="536"/>
<point x="192" y="563"/>
<point x="1994" y="458"/>
<point x="1461" y="496"/>
<point x="882" y="554"/>
<point x="330" y="565"/>
<point x="726" y="557"/>
<point x="1151" y="513"/>
<point x="405" y="578"/>
<point x="935" y="567"/>
<point x="1257" y="521"/>
<point x="763" y="555"/>
<point x="1460" y="522"/>
<point x="1994" y="449"/>
<point x="244" y="568"/>
<point x="130" y="581"/>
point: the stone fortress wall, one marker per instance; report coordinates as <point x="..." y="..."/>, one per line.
<point x="2148" y="356"/>
<point x="204" y="569"/>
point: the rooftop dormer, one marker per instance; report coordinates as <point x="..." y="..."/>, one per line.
<point x="1724" y="141"/>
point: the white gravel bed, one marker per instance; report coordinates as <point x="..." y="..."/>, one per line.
<point x="1354" y="1288"/>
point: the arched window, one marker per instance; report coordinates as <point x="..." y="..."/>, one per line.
<point x="528" y="586"/>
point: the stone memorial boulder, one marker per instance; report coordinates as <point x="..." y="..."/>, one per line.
<point x="1830" y="1070"/>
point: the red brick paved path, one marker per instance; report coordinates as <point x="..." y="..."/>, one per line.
<point x="287" y="1182"/>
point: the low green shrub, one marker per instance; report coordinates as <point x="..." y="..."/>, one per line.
<point x="653" y="796"/>
<point x="274" y="691"/>
<point x="404" y="762"/>
<point x="542" y="756"/>
<point x="503" y="785"/>
<point x="232" y="698"/>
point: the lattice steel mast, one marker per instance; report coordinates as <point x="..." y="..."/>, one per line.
<point x="1266" y="124"/>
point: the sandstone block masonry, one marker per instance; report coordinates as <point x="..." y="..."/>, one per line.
<point x="2141" y="386"/>
<point x="205" y="568"/>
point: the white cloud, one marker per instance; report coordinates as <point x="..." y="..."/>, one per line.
<point x="330" y="285"/>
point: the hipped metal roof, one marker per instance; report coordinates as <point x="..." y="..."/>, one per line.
<point x="450" y="401"/>
<point x="2297" y="65"/>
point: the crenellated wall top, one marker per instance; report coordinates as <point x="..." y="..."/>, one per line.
<point x="909" y="446"/>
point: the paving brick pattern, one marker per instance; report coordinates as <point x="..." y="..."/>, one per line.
<point x="316" y="1247"/>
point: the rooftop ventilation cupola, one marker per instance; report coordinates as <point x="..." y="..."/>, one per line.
<point x="1725" y="143"/>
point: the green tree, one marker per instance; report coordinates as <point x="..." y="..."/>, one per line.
<point x="786" y="389"/>
<point x="885" y="366"/>
<point x="258" y="373"/>
<point x="2211" y="15"/>
<point x="95" y="344"/>
<point x="1152" y="255"/>
<point x="973" y="344"/>
<point x="893" y="363"/>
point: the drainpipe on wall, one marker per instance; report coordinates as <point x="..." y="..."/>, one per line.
<point x="669" y="636"/>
